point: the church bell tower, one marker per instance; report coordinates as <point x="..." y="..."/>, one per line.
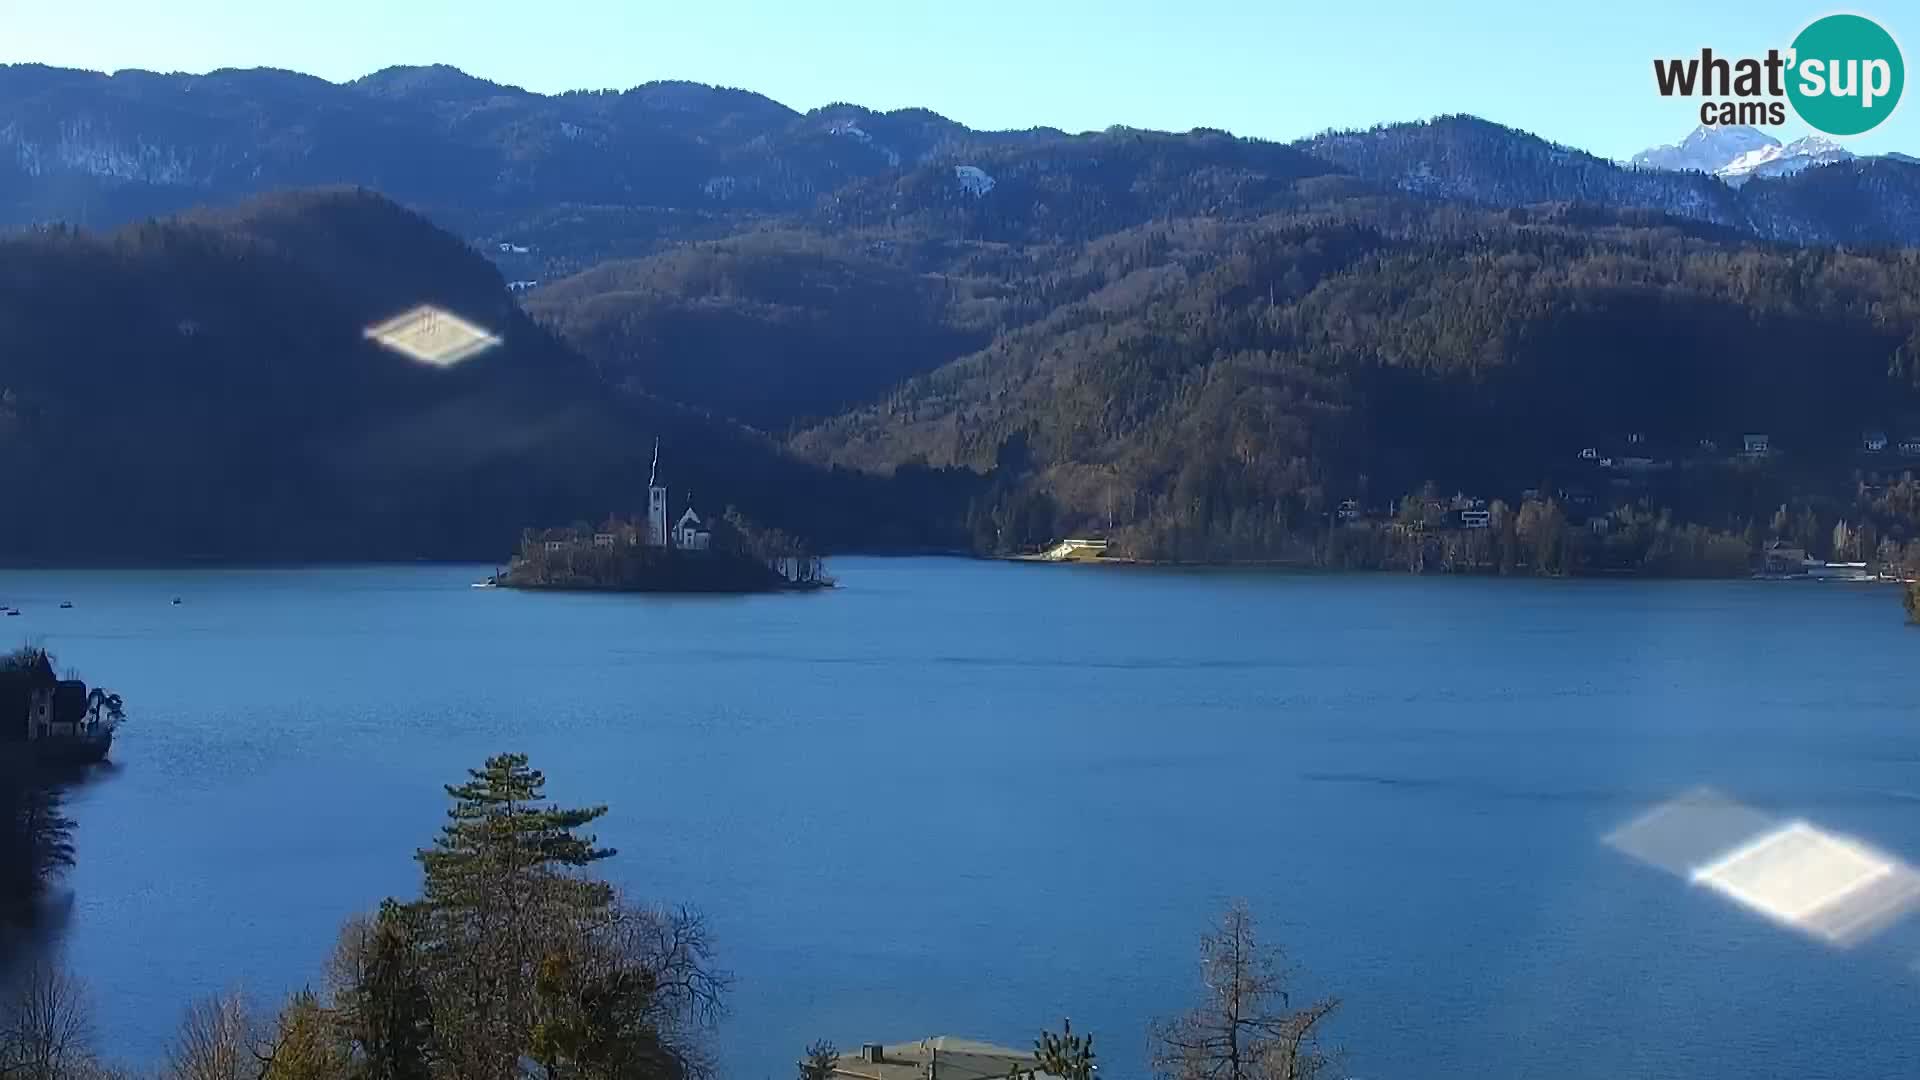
<point x="657" y="523"/>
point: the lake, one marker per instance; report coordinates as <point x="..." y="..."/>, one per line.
<point x="972" y="798"/>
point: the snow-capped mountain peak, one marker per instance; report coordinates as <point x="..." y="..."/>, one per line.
<point x="1706" y="149"/>
<point x="1782" y="160"/>
<point x="1737" y="154"/>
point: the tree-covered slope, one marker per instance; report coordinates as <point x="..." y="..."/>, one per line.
<point x="1349" y="356"/>
<point x="204" y="388"/>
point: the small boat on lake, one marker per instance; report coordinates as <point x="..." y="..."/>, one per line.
<point x="64" y="604"/>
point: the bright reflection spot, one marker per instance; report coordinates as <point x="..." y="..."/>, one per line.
<point x="432" y="336"/>
<point x="1831" y="887"/>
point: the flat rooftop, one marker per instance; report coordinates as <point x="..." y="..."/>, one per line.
<point x="954" y="1059"/>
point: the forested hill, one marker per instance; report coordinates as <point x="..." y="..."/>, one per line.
<point x="1349" y="354"/>
<point x="768" y="327"/>
<point x="202" y="388"/>
<point x="584" y="176"/>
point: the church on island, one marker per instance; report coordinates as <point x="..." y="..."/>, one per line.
<point x="661" y="530"/>
<point x="663" y="553"/>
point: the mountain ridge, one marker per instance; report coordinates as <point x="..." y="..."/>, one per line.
<point x="699" y="160"/>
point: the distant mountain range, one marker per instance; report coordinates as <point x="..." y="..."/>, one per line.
<point x="583" y="176"/>
<point x="1737" y="153"/>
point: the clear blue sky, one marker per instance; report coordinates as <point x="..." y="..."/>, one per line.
<point x="1578" y="73"/>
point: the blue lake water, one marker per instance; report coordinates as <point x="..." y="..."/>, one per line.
<point x="971" y="798"/>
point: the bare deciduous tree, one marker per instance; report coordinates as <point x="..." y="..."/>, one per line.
<point x="1245" y="1026"/>
<point x="46" y="1031"/>
<point x="218" y="1040"/>
<point x="627" y="991"/>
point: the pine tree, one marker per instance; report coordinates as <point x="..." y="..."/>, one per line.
<point x="821" y="1060"/>
<point x="1066" y="1055"/>
<point x="500" y="882"/>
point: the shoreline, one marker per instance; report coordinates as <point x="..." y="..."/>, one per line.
<point x="1288" y="565"/>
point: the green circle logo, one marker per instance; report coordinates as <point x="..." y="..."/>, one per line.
<point x="1847" y="74"/>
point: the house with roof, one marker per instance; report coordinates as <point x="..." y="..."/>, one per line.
<point x="941" y="1057"/>
<point x="27" y="688"/>
<point x="1782" y="557"/>
<point x="59" y="714"/>
<point x="690" y="533"/>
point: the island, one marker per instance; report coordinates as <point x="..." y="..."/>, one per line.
<point x="730" y="554"/>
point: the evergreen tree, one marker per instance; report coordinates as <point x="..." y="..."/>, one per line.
<point x="822" y="1057"/>
<point x="1065" y="1055"/>
<point x="383" y="1006"/>
<point x="500" y="882"/>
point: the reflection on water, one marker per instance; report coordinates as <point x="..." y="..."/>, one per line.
<point x="31" y="926"/>
<point x="972" y="798"/>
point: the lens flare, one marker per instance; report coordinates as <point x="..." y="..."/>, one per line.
<point x="1834" y="888"/>
<point x="432" y="335"/>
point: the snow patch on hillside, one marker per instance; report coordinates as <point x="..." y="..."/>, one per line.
<point x="79" y="148"/>
<point x="973" y="179"/>
<point x="851" y="130"/>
